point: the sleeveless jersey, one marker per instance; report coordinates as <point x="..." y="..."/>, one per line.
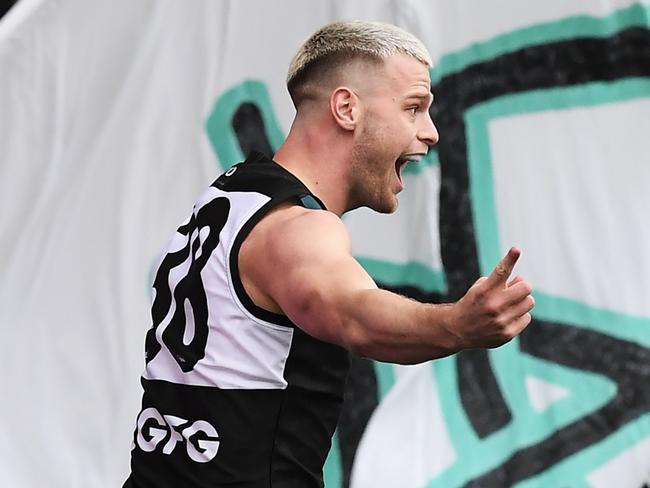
<point x="234" y="395"/>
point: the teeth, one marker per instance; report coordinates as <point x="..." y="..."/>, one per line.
<point x="410" y="159"/>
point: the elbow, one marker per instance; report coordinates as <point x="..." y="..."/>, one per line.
<point x="357" y="340"/>
<point x="361" y="342"/>
<point x="359" y="347"/>
<point x="364" y="346"/>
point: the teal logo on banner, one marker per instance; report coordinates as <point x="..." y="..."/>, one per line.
<point x="593" y="364"/>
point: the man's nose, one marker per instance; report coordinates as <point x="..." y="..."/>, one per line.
<point x="428" y="132"/>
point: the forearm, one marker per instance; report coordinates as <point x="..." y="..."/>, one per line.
<point x="381" y="325"/>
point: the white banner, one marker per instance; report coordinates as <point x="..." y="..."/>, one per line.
<point x="115" y="115"/>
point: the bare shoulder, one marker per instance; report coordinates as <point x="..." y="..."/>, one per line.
<point x="294" y="229"/>
<point x="287" y="246"/>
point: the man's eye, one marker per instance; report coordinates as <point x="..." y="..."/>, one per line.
<point x="413" y="110"/>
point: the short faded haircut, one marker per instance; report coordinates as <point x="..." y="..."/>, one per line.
<point x="339" y="42"/>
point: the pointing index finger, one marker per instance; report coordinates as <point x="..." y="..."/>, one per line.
<point x="503" y="269"/>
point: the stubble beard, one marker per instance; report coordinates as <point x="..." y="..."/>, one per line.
<point x="370" y="187"/>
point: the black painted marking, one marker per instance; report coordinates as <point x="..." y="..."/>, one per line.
<point x="360" y="400"/>
<point x="248" y="125"/>
<point x="625" y="363"/>
<point x="557" y="64"/>
<point x="483" y="402"/>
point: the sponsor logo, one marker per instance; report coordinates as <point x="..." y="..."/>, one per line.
<point x="156" y="431"/>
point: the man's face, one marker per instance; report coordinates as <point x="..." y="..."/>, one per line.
<point x="394" y="128"/>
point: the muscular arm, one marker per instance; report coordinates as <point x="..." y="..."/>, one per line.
<point x="308" y="272"/>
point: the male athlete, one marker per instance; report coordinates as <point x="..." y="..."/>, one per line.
<point x="258" y="301"/>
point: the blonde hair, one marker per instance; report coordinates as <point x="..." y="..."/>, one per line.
<point x="338" y="42"/>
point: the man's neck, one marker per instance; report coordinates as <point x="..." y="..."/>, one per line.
<point x="318" y="163"/>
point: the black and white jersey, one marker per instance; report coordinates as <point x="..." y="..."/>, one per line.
<point x="234" y="395"/>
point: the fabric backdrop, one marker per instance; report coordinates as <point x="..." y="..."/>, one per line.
<point x="114" y="115"/>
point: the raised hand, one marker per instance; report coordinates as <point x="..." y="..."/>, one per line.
<point x="493" y="310"/>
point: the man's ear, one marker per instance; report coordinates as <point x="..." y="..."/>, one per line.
<point x="344" y="105"/>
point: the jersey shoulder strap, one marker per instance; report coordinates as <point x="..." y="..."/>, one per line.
<point x="260" y="174"/>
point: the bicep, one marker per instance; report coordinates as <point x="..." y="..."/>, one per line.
<point x="316" y="279"/>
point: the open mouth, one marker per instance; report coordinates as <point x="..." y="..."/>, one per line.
<point x="402" y="161"/>
<point x="399" y="165"/>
